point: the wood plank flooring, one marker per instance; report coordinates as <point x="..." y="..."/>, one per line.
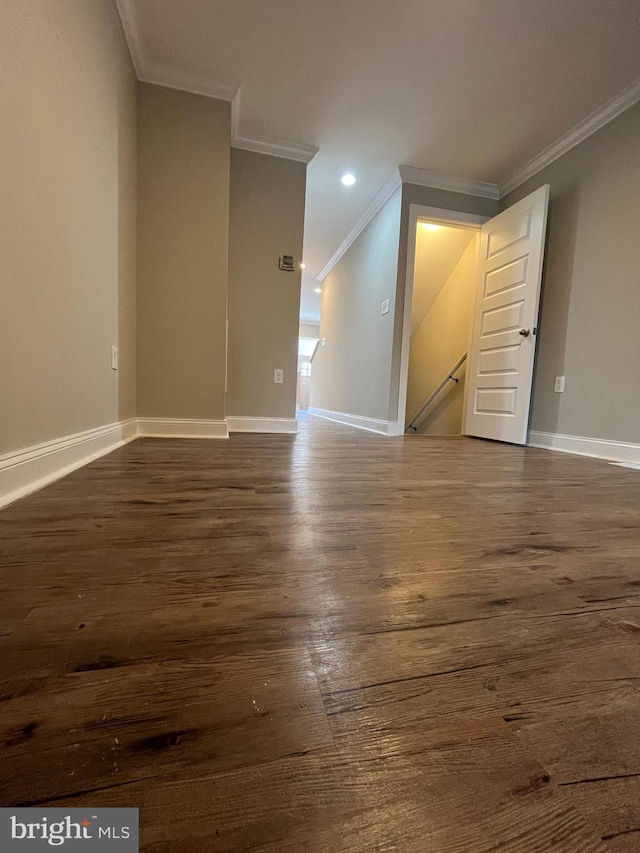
<point x="329" y="642"/>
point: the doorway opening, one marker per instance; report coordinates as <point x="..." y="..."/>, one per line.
<point x="440" y="292"/>
<point x="469" y="334"/>
<point x="307" y="344"/>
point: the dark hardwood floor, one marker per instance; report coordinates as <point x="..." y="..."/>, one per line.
<point x="334" y="642"/>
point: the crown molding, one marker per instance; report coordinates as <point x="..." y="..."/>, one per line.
<point x="407" y="175"/>
<point x="606" y="113"/>
<point x="260" y="145"/>
<point x="221" y="89"/>
<point x="275" y="148"/>
<point x="162" y="75"/>
<point x="383" y="195"/>
<point x="425" y="178"/>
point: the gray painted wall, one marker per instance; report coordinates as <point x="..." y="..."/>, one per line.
<point x="67" y="241"/>
<point x="352" y="372"/>
<point x="590" y="316"/>
<point x="266" y="220"/>
<point x="183" y="215"/>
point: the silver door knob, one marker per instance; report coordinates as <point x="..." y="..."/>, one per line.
<point x="524" y="332"/>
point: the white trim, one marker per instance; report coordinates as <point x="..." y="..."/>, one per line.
<point x="182" y="428"/>
<point x="358" y="421"/>
<point x="449" y="217"/>
<point x="288" y="426"/>
<point x="408" y="175"/>
<point x="30" y="469"/>
<point x="163" y="75"/>
<point x="260" y="145"/>
<point x="452" y="183"/>
<point x="606" y="113"/>
<point x="288" y="150"/>
<point x="25" y="471"/>
<point x="425" y="178"/>
<point x="222" y="89"/>
<point x="383" y="195"/>
<point x="419" y="212"/>
<point x="599" y="448"/>
<point x="228" y="90"/>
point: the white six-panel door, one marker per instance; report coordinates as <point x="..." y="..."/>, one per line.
<point x="501" y="356"/>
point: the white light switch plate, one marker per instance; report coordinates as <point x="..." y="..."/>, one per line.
<point x="278" y="376"/>
<point x="385" y="307"/>
<point x="558" y="385"/>
<point x="114" y="358"/>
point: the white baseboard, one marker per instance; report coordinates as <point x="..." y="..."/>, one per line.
<point x="599" y="448"/>
<point x="182" y="428"/>
<point x="32" y="468"/>
<point x="27" y="470"/>
<point x="358" y="421"/>
<point x="288" y="426"/>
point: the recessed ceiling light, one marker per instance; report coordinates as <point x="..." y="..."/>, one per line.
<point x="317" y="290"/>
<point x="430" y="226"/>
<point x="303" y="266"/>
<point x="348" y="179"/>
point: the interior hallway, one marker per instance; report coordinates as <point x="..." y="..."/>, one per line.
<point x="333" y="642"/>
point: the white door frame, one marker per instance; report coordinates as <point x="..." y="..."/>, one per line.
<point x="417" y="213"/>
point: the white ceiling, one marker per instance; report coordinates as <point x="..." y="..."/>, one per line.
<point x="437" y="253"/>
<point x="473" y="88"/>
